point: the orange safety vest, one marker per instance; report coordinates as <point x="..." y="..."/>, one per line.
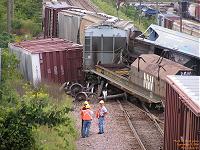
<point x="86" y="114"/>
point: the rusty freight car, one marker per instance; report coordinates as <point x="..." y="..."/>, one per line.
<point x="182" y="113"/>
<point x="49" y="60"/>
<point x="50" y="17"/>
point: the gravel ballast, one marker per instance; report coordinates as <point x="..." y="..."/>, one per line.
<point x="117" y="136"/>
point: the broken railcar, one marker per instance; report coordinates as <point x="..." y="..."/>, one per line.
<point x="145" y="80"/>
<point x="49" y="60"/>
<point x="173" y="45"/>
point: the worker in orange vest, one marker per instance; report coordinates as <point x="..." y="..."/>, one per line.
<point x="100" y="114"/>
<point x="83" y="108"/>
<point x="87" y="120"/>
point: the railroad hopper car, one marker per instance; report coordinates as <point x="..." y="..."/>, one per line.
<point x="145" y="80"/>
<point x="49" y="60"/>
<point x="182" y="113"/>
<point x="105" y="42"/>
<point x="179" y="47"/>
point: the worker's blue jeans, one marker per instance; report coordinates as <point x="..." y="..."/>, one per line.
<point x="86" y="128"/>
<point x="101" y="124"/>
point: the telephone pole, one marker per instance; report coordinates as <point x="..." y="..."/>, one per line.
<point x="157" y="9"/>
<point x="180" y="13"/>
<point x="0" y="65"/>
<point x="140" y="13"/>
<point x="10" y="13"/>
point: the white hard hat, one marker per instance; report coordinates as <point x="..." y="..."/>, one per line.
<point x="101" y="102"/>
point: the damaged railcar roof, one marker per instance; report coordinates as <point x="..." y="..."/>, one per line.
<point x="174" y="40"/>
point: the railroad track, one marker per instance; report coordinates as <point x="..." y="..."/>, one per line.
<point x="144" y="125"/>
<point x="86" y="4"/>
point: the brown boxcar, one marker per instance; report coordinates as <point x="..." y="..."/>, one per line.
<point x="49" y="60"/>
<point x="182" y="113"/>
<point x="50" y="17"/>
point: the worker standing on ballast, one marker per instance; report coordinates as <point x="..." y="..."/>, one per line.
<point x="87" y="120"/>
<point x="100" y="114"/>
<point x="83" y="108"/>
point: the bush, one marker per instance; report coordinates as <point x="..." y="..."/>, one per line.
<point x="31" y="111"/>
<point x="9" y="66"/>
<point x="5" y="38"/>
<point x="15" y="131"/>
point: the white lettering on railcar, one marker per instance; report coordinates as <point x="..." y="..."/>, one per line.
<point x="148" y="81"/>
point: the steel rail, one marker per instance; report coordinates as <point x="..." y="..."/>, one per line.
<point x="154" y="120"/>
<point x="127" y="116"/>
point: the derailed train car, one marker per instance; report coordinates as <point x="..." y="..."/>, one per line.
<point x="145" y="79"/>
<point x="50" y="17"/>
<point x="102" y="35"/>
<point x="49" y="60"/>
<point x="72" y="23"/>
<point x="105" y="42"/>
<point x="176" y="46"/>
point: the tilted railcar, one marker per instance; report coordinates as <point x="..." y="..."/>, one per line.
<point x="145" y="79"/>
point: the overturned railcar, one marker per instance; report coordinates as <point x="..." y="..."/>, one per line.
<point x="49" y="60"/>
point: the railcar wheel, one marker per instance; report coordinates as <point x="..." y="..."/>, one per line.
<point x="75" y="89"/>
<point x="81" y="96"/>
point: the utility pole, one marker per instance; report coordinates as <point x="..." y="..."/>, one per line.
<point x="117" y="6"/>
<point x="157" y="9"/>
<point x="180" y="13"/>
<point x="0" y="65"/>
<point x="140" y="12"/>
<point x="10" y="13"/>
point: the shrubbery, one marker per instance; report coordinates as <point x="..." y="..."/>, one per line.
<point x="5" y="38"/>
<point x="26" y="113"/>
<point x="30" y="111"/>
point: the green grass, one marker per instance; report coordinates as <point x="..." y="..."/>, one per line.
<point x="131" y="15"/>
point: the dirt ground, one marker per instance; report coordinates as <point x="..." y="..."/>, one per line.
<point x="117" y="134"/>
